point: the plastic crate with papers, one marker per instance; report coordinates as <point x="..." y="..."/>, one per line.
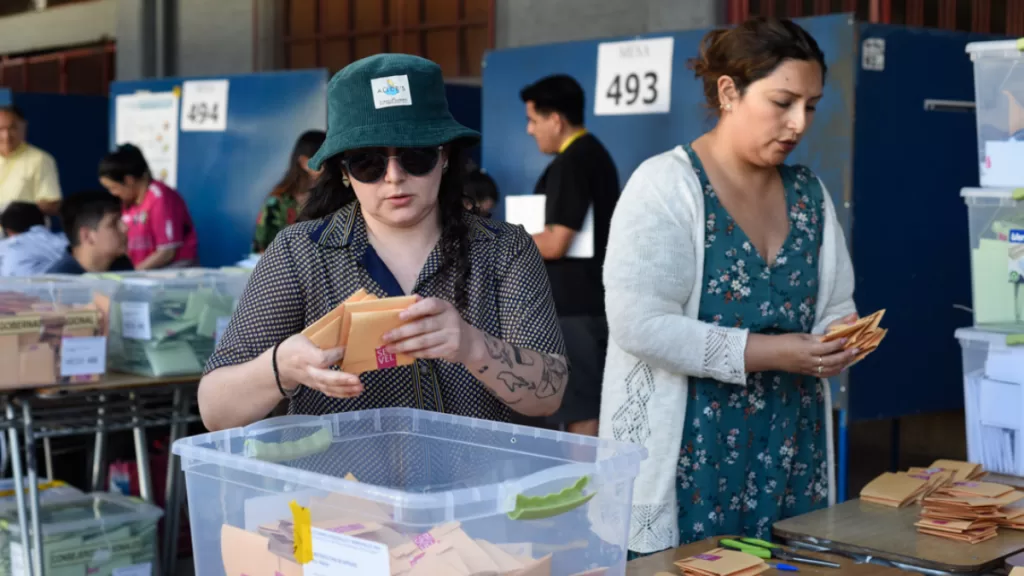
<point x="999" y="110"/>
<point x="996" y="228"/>
<point x="405" y="492"/>
<point x="994" y="399"/>
<point x="97" y="534"/>
<point x="166" y="323"/>
<point x="53" y="329"/>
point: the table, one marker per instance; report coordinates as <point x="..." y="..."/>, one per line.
<point x="866" y="529"/>
<point x="663" y="562"/>
<point x="116" y="402"/>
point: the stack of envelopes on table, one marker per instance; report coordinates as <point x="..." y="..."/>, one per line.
<point x="864" y="334"/>
<point x="359" y="324"/>
<point x="966" y="511"/>
<point x="1014" y="516"/>
<point x="722" y="562"/>
<point x="936" y="478"/>
<point x="894" y="489"/>
<point x="962" y="471"/>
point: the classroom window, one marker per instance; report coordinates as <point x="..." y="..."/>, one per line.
<point x="333" y="33"/>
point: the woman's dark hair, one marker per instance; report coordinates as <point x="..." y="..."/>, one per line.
<point x="296" y="177"/>
<point x="479" y="186"/>
<point x="330" y="194"/>
<point x="126" y="161"/>
<point x="751" y="51"/>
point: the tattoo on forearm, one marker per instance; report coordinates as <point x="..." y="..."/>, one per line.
<point x="483" y="369"/>
<point x="515" y="382"/>
<point x="552" y="378"/>
<point x="498" y="350"/>
<point x="522" y="359"/>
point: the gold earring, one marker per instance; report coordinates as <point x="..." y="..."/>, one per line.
<point x="444" y="167"/>
<point x="345" y="181"/>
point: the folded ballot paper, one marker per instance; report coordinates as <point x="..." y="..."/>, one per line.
<point x="894" y="489"/>
<point x="864" y="334"/>
<point x="359" y="324"/>
<point x="722" y="562"/>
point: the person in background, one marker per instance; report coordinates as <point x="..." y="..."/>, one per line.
<point x="725" y="266"/>
<point x="30" y="248"/>
<point x="580" y="184"/>
<point x="159" y="228"/>
<point x="480" y="192"/>
<point x="96" y="235"/>
<point x="283" y="205"/>
<point x="27" y="174"/>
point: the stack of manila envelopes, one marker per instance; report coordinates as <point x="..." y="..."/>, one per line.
<point x="864" y="334"/>
<point x="936" y="478"/>
<point x="968" y="511"/>
<point x="894" y="489"/>
<point x="722" y="562"/>
<point x="359" y="324"/>
<point x="962" y="471"/>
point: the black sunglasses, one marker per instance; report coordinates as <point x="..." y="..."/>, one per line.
<point x="369" y="166"/>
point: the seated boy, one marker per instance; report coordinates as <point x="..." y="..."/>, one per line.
<point x="92" y="222"/>
<point x="30" y="247"/>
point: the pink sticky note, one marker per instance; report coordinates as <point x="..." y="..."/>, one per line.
<point x="385" y="359"/>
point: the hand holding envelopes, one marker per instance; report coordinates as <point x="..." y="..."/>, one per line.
<point x="864" y="334"/>
<point x="359" y="324"/>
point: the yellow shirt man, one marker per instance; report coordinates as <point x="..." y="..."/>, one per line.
<point x="27" y="174"/>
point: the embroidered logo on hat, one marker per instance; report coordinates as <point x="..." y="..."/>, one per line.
<point x="391" y="91"/>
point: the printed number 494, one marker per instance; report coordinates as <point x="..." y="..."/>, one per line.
<point x="630" y="89"/>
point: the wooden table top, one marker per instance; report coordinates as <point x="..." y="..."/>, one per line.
<point x="863" y="528"/>
<point x="663" y="562"/>
<point x="113" y="381"/>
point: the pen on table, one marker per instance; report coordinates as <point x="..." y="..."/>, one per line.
<point x="786" y="567"/>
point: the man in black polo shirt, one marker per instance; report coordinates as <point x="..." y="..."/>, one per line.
<point x="582" y="186"/>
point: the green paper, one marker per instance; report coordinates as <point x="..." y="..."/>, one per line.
<point x="1014" y="339"/>
<point x="541" y="507"/>
<point x="285" y="451"/>
<point x="995" y="297"/>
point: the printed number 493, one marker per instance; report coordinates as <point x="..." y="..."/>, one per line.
<point x="630" y="90"/>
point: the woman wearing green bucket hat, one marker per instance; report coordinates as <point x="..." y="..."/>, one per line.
<point x="387" y="216"/>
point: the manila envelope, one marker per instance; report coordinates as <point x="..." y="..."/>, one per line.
<point x="326" y="319"/>
<point x="335" y="506"/>
<point x="893" y="488"/>
<point x="982" y="489"/>
<point x="505" y="561"/>
<point x="365" y="348"/>
<point x="968" y="538"/>
<point x="447" y="564"/>
<point x="961" y="470"/>
<point x="540" y="567"/>
<point x="248" y="554"/>
<point x="850" y="331"/>
<point x="722" y="562"/>
<point x="371" y="304"/>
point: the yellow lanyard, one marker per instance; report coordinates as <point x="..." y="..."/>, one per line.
<point x="570" y="140"/>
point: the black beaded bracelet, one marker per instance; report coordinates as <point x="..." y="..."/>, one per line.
<point x="277" y="374"/>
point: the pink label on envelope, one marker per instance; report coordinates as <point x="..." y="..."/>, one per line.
<point x="347" y="528"/>
<point x="385" y="359"/>
<point x="708" y="557"/>
<point x="424" y="541"/>
<point x="920" y="477"/>
<point x="939" y="522"/>
<point x="416" y="559"/>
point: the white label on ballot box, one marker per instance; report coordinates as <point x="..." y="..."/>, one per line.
<point x="81" y="356"/>
<point x="341" y="555"/>
<point x="135" y="570"/>
<point x="204" y="106"/>
<point x="135" y="321"/>
<point x="634" y="77"/>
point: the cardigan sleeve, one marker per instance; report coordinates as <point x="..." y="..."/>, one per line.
<point x="650" y="272"/>
<point x="840" y="300"/>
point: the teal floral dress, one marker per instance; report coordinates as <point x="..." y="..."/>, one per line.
<point x="754" y="455"/>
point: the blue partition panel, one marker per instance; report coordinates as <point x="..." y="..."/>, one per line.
<point x="511" y="157"/>
<point x="910" y="240"/>
<point x="73" y="129"/>
<point x="225" y="176"/>
<point x="5" y="97"/>
<point x="464" y="100"/>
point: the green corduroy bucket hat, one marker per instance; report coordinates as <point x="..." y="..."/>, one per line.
<point x="388" y="100"/>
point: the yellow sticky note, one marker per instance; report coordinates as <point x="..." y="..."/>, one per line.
<point x="302" y="528"/>
<point x="1018" y="194"/>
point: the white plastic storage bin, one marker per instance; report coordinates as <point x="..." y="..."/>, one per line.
<point x="996" y="228"/>
<point x="993" y="400"/>
<point x="167" y="323"/>
<point x="999" y="98"/>
<point x="403" y="491"/>
<point x="99" y="535"/>
<point x="53" y="329"/>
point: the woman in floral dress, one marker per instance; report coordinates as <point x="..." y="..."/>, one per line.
<point x="283" y="205"/>
<point x="724" y="266"/>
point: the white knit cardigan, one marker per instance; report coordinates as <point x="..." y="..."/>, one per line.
<point x="653" y="277"/>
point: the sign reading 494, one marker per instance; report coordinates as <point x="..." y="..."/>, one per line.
<point x="634" y="77"/>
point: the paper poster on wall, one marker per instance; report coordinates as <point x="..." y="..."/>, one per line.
<point x="204" y="106"/>
<point x="150" y="121"/>
<point x="634" y="77"/>
<point x="527" y="210"/>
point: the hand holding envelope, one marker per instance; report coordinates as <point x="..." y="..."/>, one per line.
<point x="864" y="335"/>
<point x="358" y="326"/>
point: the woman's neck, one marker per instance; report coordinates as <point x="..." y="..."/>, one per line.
<point x="724" y="154"/>
<point x="424" y="233"/>
<point x="142" y="193"/>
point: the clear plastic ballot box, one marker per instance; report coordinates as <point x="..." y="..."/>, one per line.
<point x="996" y="230"/>
<point x="999" y="109"/>
<point x="404" y="491"/>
